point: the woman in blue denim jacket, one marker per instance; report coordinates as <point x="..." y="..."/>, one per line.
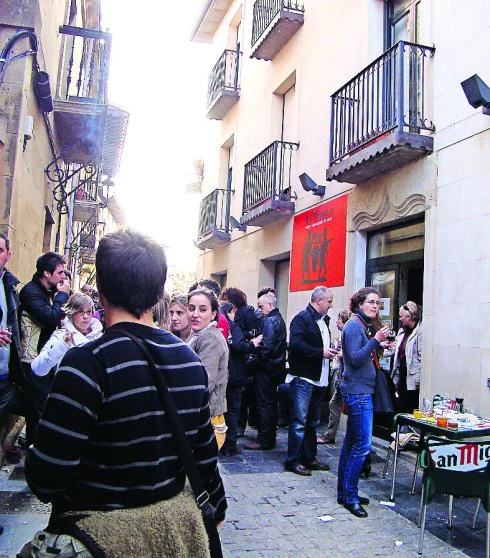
<point x="361" y="341"/>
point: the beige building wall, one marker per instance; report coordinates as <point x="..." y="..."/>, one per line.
<point x="447" y="189"/>
<point x="24" y="188"/>
<point x="458" y="298"/>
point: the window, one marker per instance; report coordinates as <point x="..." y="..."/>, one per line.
<point x="401" y="22"/>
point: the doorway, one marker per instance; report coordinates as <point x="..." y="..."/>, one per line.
<point x="395" y="267"/>
<point x="281" y="284"/>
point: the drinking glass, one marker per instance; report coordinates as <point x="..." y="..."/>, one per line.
<point x="427" y="407"/>
<point x="9" y="329"/>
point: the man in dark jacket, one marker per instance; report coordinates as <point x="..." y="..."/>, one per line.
<point x="270" y="372"/>
<point x="237" y="377"/>
<point x="10" y="369"/>
<point x="41" y="301"/>
<point x="309" y="363"/>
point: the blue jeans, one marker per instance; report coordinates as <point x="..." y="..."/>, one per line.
<point x="357" y="445"/>
<point x="306" y="404"/>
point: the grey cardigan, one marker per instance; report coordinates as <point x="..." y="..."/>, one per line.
<point x="211" y="347"/>
<point x="359" y="372"/>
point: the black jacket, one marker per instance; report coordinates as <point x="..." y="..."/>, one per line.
<point x="239" y="348"/>
<point x="272" y="350"/>
<point x="10" y="283"/>
<point x="45" y="310"/>
<point x="245" y="318"/>
<point x="306" y="344"/>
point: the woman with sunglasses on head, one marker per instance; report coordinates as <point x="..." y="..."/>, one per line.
<point x="78" y="327"/>
<point x="407" y="361"/>
<point x="209" y="344"/>
<point x="361" y="342"/>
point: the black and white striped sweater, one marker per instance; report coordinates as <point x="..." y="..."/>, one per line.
<point x="104" y="441"/>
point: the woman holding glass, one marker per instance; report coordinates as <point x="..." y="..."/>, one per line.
<point x="79" y="327"/>
<point x="361" y="343"/>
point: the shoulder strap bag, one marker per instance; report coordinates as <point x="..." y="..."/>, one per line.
<point x="184" y="449"/>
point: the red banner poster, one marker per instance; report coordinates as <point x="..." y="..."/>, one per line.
<point x="318" y="249"/>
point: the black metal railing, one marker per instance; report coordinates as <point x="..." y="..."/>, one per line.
<point x="214" y="212"/>
<point x="224" y="75"/>
<point x="83" y="239"/>
<point x="88" y="186"/>
<point x="266" y="10"/>
<point x="85" y="64"/>
<point x="268" y="175"/>
<point x="388" y="94"/>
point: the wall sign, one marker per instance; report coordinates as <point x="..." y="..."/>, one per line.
<point x="318" y="248"/>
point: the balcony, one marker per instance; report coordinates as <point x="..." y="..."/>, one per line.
<point x="83" y="243"/>
<point x="379" y="119"/>
<point x="267" y="186"/>
<point x="89" y="131"/>
<point x="214" y="215"/>
<point x="274" y="23"/>
<point x="223" y="86"/>
<point x="86" y="202"/>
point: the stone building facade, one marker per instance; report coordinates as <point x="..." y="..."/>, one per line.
<point x="60" y="139"/>
<point x="364" y="97"/>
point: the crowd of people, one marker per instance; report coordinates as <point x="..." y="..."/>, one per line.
<point x="97" y="434"/>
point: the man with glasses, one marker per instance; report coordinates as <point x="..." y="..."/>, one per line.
<point x="309" y="362"/>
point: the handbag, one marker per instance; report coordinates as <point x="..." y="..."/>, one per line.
<point x="184" y="450"/>
<point x="383" y="395"/>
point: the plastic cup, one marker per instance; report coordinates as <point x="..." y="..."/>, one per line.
<point x="418" y="413"/>
<point x="442" y="422"/>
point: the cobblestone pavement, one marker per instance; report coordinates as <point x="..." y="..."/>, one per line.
<point x="275" y="514"/>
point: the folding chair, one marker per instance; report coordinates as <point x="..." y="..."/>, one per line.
<point x="411" y="444"/>
<point x="457" y="469"/>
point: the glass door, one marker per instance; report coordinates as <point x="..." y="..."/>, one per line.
<point x="395" y="267"/>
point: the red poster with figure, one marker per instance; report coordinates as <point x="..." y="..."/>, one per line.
<point x="318" y="249"/>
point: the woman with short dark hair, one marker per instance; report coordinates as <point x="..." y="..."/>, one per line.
<point x="245" y="316"/>
<point x="361" y="342"/>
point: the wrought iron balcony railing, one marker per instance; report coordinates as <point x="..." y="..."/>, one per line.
<point x="85" y="65"/>
<point x="266" y="10"/>
<point x="268" y="175"/>
<point x="390" y="93"/>
<point x="214" y="213"/>
<point x="224" y="80"/>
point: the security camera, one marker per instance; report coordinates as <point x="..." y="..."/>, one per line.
<point x="309" y="185"/>
<point x="235" y="224"/>
<point x="28" y="127"/>
<point x="477" y="92"/>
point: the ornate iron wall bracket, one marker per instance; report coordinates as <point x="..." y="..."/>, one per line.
<point x="62" y="176"/>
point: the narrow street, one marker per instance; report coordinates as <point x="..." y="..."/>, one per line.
<point x="276" y="514"/>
